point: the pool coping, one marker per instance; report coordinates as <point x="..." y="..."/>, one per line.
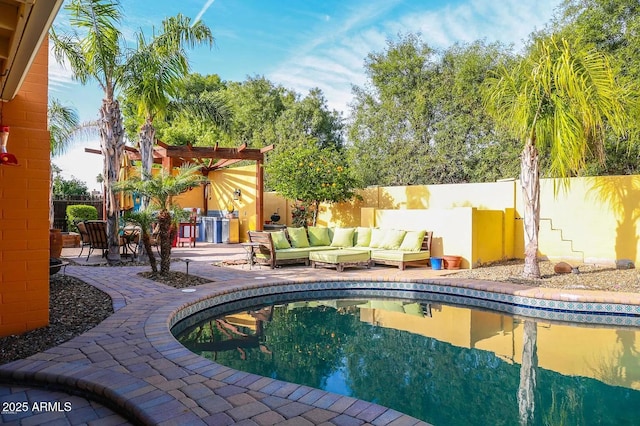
<point x="132" y="363"/>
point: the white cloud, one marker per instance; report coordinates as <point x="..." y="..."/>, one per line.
<point x="334" y="60"/>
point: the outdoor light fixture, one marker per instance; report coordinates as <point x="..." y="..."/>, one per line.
<point x="6" y="158"/>
<point x="237" y="194"/>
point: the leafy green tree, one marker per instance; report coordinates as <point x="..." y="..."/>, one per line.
<point x="421" y="119"/>
<point x="557" y="99"/>
<point x="69" y="187"/>
<point x="312" y="175"/>
<point x="161" y="188"/>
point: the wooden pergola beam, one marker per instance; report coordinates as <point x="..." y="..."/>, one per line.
<point x="209" y="159"/>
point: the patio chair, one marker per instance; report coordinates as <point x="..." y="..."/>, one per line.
<point x="84" y="236"/>
<point x="97" y="230"/>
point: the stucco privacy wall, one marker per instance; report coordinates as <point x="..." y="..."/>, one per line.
<point x="596" y="220"/>
<point x="24" y="208"/>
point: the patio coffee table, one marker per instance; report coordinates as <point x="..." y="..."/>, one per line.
<point x="340" y="258"/>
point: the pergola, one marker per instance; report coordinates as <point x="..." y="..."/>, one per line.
<point x="209" y="159"/>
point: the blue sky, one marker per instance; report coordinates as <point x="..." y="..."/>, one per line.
<point x="301" y="44"/>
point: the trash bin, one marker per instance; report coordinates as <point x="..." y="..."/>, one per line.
<point x="224" y="231"/>
<point x="212" y="229"/>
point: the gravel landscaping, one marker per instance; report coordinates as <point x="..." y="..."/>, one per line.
<point x="76" y="307"/>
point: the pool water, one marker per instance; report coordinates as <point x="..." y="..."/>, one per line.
<point x="446" y="365"/>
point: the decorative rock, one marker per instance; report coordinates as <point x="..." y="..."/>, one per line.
<point x="562" y="268"/>
<point x="624" y="264"/>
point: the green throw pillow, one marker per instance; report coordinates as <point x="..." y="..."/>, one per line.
<point x="280" y="240"/>
<point x="412" y="241"/>
<point x="342" y="237"/>
<point x="377" y="237"/>
<point x="392" y="239"/>
<point x="298" y="237"/>
<point x="318" y="236"/>
<point x="363" y="236"/>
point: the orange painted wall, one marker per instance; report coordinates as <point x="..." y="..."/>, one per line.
<point x="24" y="206"/>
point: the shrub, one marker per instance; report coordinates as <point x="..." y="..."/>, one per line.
<point x="79" y="213"/>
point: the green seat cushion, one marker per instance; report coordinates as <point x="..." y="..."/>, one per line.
<point x="399" y="255"/>
<point x="298" y="237"/>
<point x="339" y="256"/>
<point x="318" y="236"/>
<point x="377" y="237"/>
<point x="343" y="237"/>
<point x="412" y="241"/>
<point x="363" y="236"/>
<point x="280" y="240"/>
<point x="392" y="239"/>
<point x="292" y="253"/>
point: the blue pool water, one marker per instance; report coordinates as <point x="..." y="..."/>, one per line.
<point x="444" y="364"/>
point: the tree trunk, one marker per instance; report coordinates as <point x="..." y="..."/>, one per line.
<point x="147" y="138"/>
<point x="148" y="251"/>
<point x="164" y="222"/>
<point x="112" y="147"/>
<point x="530" y="182"/>
<point x="528" y="374"/>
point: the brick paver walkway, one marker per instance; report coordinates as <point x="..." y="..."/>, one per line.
<point x="130" y="369"/>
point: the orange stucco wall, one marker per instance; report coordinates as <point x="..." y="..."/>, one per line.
<point x="24" y="207"/>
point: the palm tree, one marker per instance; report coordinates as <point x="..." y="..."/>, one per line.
<point x="98" y="56"/>
<point x="160" y="188"/>
<point x="561" y="99"/>
<point x="62" y="121"/>
<point x="153" y="71"/>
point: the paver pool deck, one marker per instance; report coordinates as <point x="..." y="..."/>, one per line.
<point x="130" y="370"/>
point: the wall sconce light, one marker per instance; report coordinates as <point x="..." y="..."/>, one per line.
<point x="6" y="158"/>
<point x="237" y="194"/>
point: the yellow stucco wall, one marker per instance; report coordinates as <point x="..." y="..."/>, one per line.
<point x="595" y="221"/>
<point x="24" y="209"/>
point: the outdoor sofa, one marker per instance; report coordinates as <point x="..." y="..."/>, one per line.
<point x="383" y="246"/>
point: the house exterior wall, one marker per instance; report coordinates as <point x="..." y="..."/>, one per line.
<point x="24" y="206"/>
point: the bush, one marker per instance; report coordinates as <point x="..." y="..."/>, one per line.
<point x="79" y="213"/>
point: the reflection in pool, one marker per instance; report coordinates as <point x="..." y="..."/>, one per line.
<point x="439" y="363"/>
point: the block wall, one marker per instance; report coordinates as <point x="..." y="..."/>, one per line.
<point x="24" y="208"/>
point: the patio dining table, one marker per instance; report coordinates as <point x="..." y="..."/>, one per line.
<point x="130" y="240"/>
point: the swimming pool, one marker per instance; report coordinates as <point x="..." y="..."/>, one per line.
<point x="459" y="365"/>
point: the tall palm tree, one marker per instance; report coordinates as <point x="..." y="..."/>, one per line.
<point x="62" y="121"/>
<point x="161" y="188"/>
<point x="97" y="55"/>
<point x="561" y="98"/>
<point x="153" y="71"/>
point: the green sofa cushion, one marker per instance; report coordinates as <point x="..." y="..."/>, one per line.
<point x="399" y="255"/>
<point x="280" y="240"/>
<point x="412" y="241"/>
<point x="298" y="237"/>
<point x="342" y="237"/>
<point x="363" y="236"/>
<point x="377" y="237"/>
<point x="392" y="239"/>
<point x="319" y="236"/>
<point x="339" y="256"/>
